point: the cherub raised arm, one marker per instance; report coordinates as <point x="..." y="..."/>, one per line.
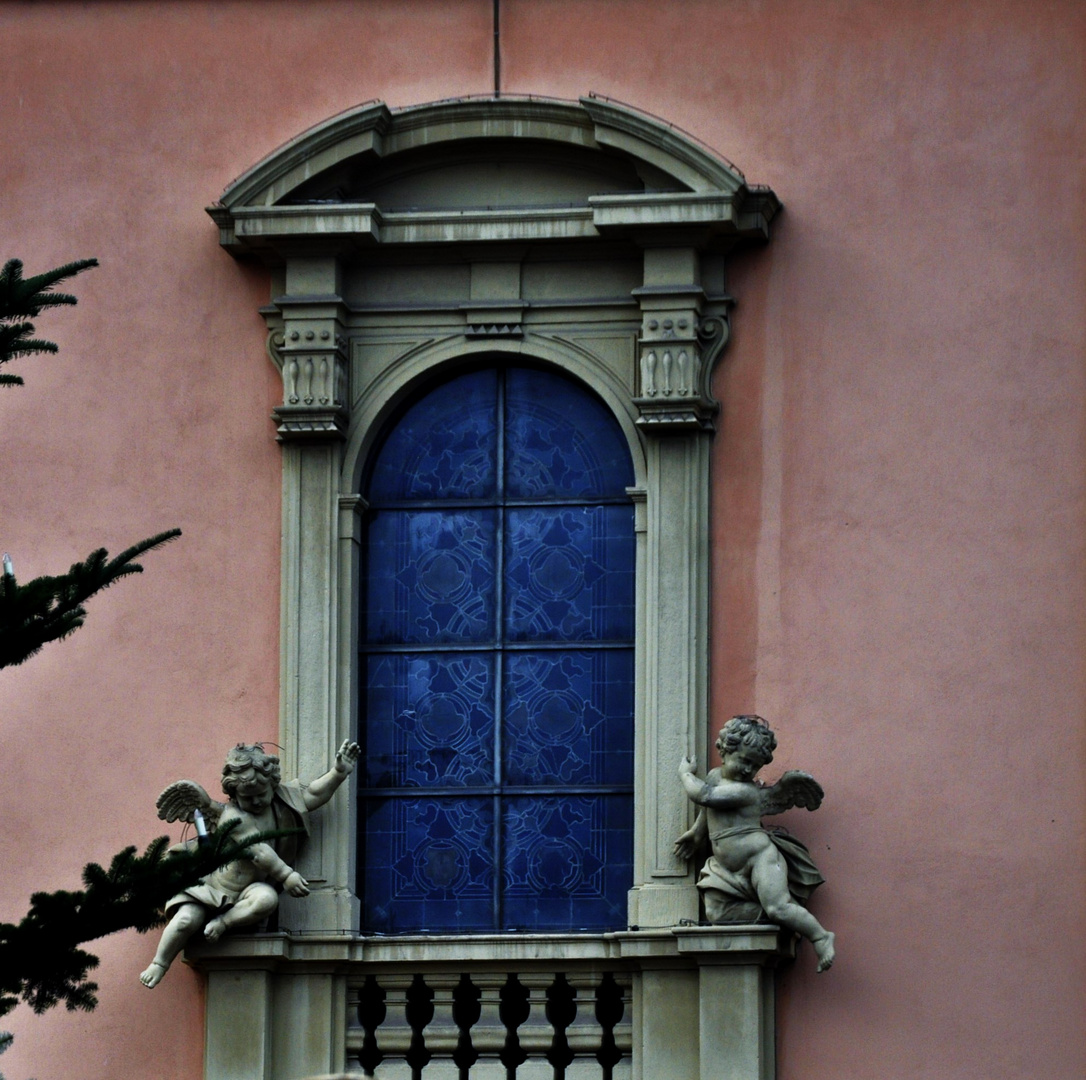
<point x="246" y="890"/>
<point x="753" y="870"/>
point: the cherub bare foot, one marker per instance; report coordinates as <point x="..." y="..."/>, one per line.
<point x="214" y="930"/>
<point x="151" y="976"/>
<point x="823" y="947"/>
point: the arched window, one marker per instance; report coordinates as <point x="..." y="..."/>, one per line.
<point x="497" y="670"/>
<point x="483" y="653"/>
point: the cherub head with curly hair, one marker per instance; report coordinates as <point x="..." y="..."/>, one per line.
<point x="750" y="733"/>
<point x="249" y="772"/>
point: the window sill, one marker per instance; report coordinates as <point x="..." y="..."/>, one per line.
<point x="761" y="944"/>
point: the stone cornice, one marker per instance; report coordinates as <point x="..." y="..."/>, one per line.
<point x="705" y="221"/>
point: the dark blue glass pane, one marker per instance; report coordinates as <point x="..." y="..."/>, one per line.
<point x="569" y="573"/>
<point x="445" y="446"/>
<point x="428" y="865"/>
<point x="569" y="717"/>
<point x="568" y="862"/>
<point x="428" y="719"/>
<point x="430" y="576"/>
<point x="560" y="440"/>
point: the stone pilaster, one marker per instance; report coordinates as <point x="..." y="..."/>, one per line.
<point x="677" y="347"/>
<point x="309" y="345"/>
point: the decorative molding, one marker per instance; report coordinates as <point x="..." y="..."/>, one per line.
<point x="677" y="349"/>
<point x="495" y="330"/>
<point x="621" y="126"/>
<point x="764" y="944"/>
<point x="303" y="422"/>
<point x="351" y="509"/>
<point x="315" y="379"/>
<point x="372" y="358"/>
<point x="661" y="417"/>
<point x="308" y="345"/>
<point x="495" y="318"/>
<point x="273" y="346"/>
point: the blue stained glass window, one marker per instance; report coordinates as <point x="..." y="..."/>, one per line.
<point x="428" y="863"/>
<point x="567" y="717"/>
<point x="568" y="571"/>
<point x="567" y="861"/>
<point x="440" y="708"/>
<point x="497" y="660"/>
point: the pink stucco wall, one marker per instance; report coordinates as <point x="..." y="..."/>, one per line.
<point x="898" y="500"/>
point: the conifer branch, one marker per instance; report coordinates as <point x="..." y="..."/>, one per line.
<point x="40" y="958"/>
<point x="22" y="299"/>
<point x="49" y="608"/>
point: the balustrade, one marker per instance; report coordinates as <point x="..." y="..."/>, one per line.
<point x="490" y="1025"/>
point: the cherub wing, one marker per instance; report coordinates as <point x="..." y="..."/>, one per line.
<point x="793" y="789"/>
<point x="181" y="799"/>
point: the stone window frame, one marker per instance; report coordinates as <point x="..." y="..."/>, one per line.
<point x="346" y="368"/>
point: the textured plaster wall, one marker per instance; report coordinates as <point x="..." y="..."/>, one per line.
<point x="898" y="498"/>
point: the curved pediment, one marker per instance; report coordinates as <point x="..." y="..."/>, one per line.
<point x="487" y="169"/>
<point x="480" y="174"/>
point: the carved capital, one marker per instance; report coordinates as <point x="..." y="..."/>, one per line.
<point x="310" y="351"/>
<point x="677" y="351"/>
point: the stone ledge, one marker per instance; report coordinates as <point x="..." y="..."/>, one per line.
<point x="679" y="946"/>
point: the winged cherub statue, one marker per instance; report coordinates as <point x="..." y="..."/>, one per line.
<point x="246" y="890"/>
<point x="753" y="870"/>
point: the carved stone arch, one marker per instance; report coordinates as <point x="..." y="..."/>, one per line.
<point x="581" y="234"/>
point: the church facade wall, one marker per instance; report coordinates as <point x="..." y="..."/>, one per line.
<point x="896" y="501"/>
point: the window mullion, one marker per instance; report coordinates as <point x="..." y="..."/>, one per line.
<point x="499" y="623"/>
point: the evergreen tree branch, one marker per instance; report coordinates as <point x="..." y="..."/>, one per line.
<point x="22" y="299"/>
<point x="29" y="296"/>
<point x="40" y="959"/>
<point x="49" y="608"/>
<point x="5" y="1042"/>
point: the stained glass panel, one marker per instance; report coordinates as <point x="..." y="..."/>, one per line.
<point x="559" y="443"/>
<point x="567" y="717"/>
<point x="430" y="576"/>
<point x="570" y="573"/>
<point x="428" y="864"/>
<point x="568" y="861"/>
<point x="440" y="452"/>
<point x="428" y="720"/>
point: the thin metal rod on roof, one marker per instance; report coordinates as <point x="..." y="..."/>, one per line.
<point x="497" y="49"/>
